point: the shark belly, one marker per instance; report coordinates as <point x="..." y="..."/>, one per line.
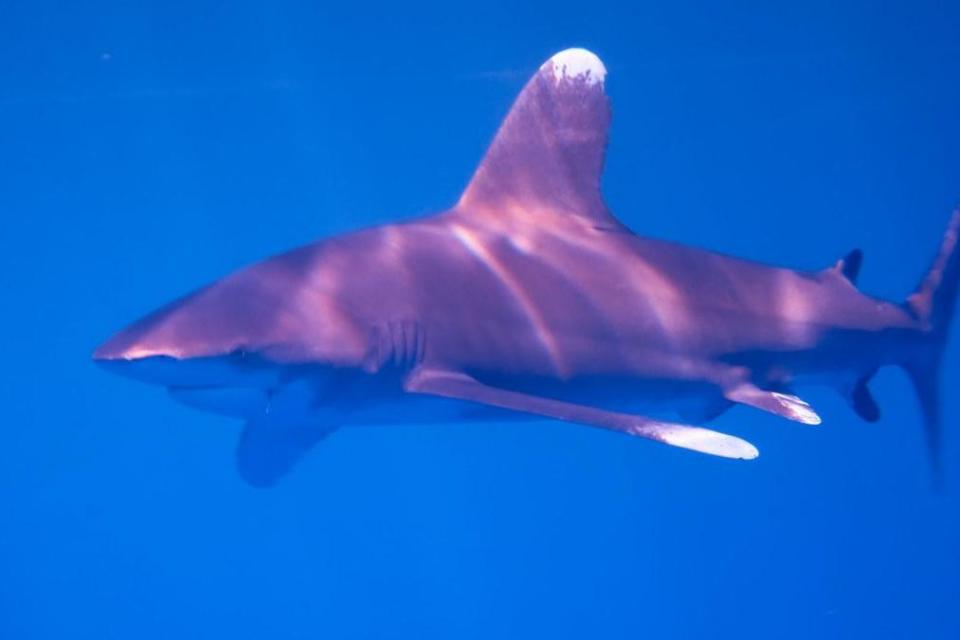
<point x="232" y="402"/>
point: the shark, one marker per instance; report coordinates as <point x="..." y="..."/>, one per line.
<point x="528" y="299"/>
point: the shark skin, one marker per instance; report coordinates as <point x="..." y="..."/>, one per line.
<point x="529" y="299"/>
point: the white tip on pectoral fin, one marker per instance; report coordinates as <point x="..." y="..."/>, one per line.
<point x="796" y="409"/>
<point x="784" y="405"/>
<point x="698" y="439"/>
<point x="460" y="386"/>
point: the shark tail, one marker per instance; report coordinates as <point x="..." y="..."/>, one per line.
<point x="932" y="303"/>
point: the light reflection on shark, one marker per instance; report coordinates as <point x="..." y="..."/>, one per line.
<point x="528" y="298"/>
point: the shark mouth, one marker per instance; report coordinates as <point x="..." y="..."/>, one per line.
<point x="233" y="385"/>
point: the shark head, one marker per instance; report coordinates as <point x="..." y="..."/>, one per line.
<point x="226" y="346"/>
<point x="195" y="341"/>
<point x="204" y="348"/>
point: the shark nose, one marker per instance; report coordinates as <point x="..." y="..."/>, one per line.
<point x="144" y="352"/>
<point x="230" y="370"/>
<point x="148" y="351"/>
<point x="213" y="336"/>
<point x="148" y="337"/>
<point x="120" y="349"/>
<point x="161" y="370"/>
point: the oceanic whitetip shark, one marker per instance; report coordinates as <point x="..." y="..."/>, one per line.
<point x="528" y="298"/>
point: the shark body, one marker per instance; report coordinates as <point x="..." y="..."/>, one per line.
<point x="528" y="298"/>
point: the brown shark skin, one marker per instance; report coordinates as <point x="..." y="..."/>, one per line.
<point x="530" y="284"/>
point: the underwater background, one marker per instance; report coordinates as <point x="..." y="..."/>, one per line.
<point x="147" y="148"/>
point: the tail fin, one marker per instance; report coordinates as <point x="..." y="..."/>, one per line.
<point x="932" y="303"/>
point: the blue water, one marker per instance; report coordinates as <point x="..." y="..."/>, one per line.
<point x="147" y="148"/>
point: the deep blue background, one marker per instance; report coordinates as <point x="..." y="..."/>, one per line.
<point x="145" y="151"/>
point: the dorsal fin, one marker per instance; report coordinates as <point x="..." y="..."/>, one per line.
<point x="849" y="265"/>
<point x="549" y="152"/>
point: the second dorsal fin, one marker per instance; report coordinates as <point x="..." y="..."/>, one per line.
<point x="849" y="265"/>
<point x="549" y="152"/>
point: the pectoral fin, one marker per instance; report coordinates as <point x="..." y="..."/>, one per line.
<point x="782" y="404"/>
<point x="462" y="387"/>
<point x="267" y="450"/>
<point x="862" y="400"/>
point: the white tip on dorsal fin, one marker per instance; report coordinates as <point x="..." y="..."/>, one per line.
<point x="548" y="155"/>
<point x="576" y="64"/>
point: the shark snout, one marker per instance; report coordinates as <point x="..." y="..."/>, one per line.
<point x="187" y="344"/>
<point x="148" y="351"/>
<point x="168" y="371"/>
<point x="145" y="352"/>
<point x="161" y="334"/>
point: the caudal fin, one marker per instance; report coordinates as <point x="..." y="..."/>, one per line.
<point x="933" y="303"/>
